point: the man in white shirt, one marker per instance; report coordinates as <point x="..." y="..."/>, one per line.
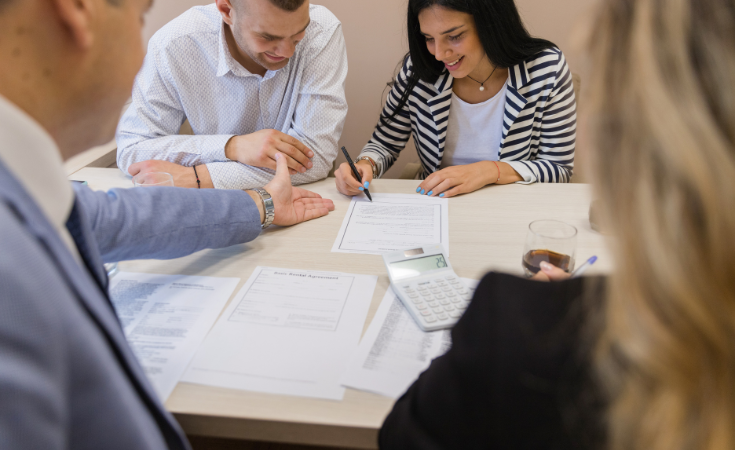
<point x="253" y="77"/>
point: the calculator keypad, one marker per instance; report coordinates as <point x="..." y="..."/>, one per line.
<point x="441" y="301"/>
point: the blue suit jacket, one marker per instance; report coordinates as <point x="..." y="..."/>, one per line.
<point x="68" y="379"/>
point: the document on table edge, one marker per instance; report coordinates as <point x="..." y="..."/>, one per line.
<point x="286" y="356"/>
<point x="194" y="307"/>
<point x="392" y="381"/>
<point x="415" y="200"/>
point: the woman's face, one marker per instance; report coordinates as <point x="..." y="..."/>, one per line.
<point x="451" y="36"/>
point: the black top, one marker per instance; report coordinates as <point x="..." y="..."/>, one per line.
<point x="518" y="374"/>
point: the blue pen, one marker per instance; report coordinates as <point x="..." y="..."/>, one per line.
<point x="584" y="267"/>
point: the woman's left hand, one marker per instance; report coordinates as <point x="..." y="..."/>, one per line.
<point x="550" y="272"/>
<point x="457" y="180"/>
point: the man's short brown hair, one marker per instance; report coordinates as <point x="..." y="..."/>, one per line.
<point x="288" y="5"/>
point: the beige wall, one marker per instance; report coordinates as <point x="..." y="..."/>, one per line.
<point x="375" y="35"/>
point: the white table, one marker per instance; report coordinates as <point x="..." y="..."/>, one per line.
<point x="487" y="231"/>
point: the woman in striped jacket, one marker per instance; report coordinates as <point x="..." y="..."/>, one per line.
<point x="485" y="102"/>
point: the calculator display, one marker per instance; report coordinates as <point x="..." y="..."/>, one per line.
<point x="415" y="267"/>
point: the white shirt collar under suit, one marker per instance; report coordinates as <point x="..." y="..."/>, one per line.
<point x="31" y="154"/>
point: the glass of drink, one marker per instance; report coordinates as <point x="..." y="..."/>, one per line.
<point x="153" y="179"/>
<point x="552" y="241"/>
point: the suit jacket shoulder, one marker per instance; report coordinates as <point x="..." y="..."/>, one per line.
<point x="67" y="378"/>
<point x="517" y="375"/>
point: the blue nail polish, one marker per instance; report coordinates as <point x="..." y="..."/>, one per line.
<point x="361" y="188"/>
<point x="441" y="195"/>
<point x="423" y="191"/>
<point x="367" y="184"/>
<point x="418" y="189"/>
<point x="430" y="192"/>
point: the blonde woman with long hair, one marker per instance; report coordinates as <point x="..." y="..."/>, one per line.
<point x="645" y="359"/>
<point x="664" y="111"/>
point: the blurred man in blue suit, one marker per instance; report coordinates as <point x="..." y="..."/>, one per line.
<point x="67" y="376"/>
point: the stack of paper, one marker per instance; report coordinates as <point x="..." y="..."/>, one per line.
<point x="166" y="317"/>
<point x="394" y="350"/>
<point x="287" y="332"/>
<point x="393" y="222"/>
<point x="291" y="331"/>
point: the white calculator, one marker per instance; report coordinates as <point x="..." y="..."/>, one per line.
<point x="428" y="287"/>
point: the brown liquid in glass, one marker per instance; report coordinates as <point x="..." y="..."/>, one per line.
<point x="532" y="260"/>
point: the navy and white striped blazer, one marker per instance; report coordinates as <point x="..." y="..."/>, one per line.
<point x="539" y="129"/>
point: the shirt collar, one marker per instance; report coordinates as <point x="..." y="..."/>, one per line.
<point x="444" y="82"/>
<point x="222" y="65"/>
<point x="519" y="76"/>
<point x="31" y="154"/>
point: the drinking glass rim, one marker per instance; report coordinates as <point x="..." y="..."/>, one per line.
<point x="171" y="178"/>
<point x="573" y="228"/>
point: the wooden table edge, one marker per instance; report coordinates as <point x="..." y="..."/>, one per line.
<point x="278" y="431"/>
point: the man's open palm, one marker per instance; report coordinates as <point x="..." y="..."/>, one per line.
<point x="294" y="205"/>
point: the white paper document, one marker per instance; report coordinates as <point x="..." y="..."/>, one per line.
<point x="287" y="332"/>
<point x="166" y="317"/>
<point x="393" y="222"/>
<point x="395" y="351"/>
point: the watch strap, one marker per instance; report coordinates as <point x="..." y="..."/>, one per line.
<point x="268" y="207"/>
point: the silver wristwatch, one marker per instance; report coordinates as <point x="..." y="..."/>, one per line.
<point x="270" y="209"/>
<point x="372" y="164"/>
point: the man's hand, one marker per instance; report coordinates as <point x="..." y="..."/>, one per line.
<point x="294" y="205"/>
<point x="183" y="176"/>
<point x="550" y="272"/>
<point x="259" y="149"/>
<point x="346" y="182"/>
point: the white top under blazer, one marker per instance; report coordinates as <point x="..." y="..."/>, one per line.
<point x="474" y="131"/>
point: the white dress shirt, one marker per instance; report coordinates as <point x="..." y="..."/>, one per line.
<point x="189" y="73"/>
<point x="474" y="131"/>
<point x="33" y="157"/>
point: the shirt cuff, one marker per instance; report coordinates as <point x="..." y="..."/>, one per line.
<point x="235" y="175"/>
<point x="523" y="171"/>
<point x="213" y="148"/>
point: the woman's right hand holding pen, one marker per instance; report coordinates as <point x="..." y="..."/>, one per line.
<point x="346" y="182"/>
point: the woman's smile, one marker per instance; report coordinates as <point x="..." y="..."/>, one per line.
<point x="453" y="65"/>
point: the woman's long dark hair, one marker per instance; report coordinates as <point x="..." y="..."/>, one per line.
<point x="499" y="27"/>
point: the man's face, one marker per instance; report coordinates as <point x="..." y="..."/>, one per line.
<point x="267" y="33"/>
